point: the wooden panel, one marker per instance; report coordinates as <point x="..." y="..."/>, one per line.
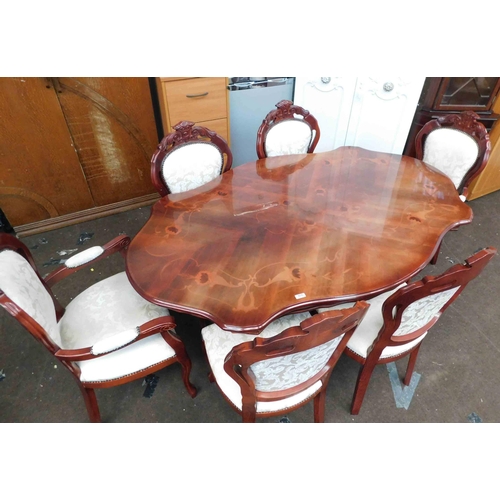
<point x="114" y="132"/>
<point x="196" y="109"/>
<point x="41" y="176"/>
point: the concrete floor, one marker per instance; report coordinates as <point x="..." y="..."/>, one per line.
<point x="458" y="361"/>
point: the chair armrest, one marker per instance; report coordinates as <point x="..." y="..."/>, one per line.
<point x="90" y="255"/>
<point x="118" y="340"/>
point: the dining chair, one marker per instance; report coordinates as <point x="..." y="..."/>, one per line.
<point x="285" y="366"/>
<point x="289" y="129"/>
<point x="459" y="146"/>
<point x="189" y="157"/>
<point x="106" y="336"/>
<point x="456" y="144"/>
<point x="398" y="320"/>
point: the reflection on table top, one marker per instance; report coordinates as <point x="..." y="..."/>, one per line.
<point x="292" y="233"/>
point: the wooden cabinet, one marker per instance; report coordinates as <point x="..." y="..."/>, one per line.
<point x="72" y="149"/>
<point x="203" y="101"/>
<point x="444" y="95"/>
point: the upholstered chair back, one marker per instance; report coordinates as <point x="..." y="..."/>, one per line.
<point x="285" y="372"/>
<point x="295" y="359"/>
<point x="288" y="137"/>
<point x="456" y="144"/>
<point x="452" y="151"/>
<point x="420" y="315"/>
<point x="188" y="158"/>
<point x="191" y="165"/>
<point x="21" y="284"/>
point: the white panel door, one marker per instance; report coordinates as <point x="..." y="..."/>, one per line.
<point x="382" y="112"/>
<point x="329" y="100"/>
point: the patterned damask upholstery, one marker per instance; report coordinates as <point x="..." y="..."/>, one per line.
<point x="107" y="308"/>
<point x="288" y="137"/>
<point x="288" y="371"/>
<point x="451" y="151"/>
<point x="191" y="165"/>
<point x="272" y="374"/>
<point x="20" y="283"/>
<point x="415" y="316"/>
<point x="110" y="308"/>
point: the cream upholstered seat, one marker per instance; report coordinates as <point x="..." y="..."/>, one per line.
<point x="289" y="129"/>
<point x="283" y="367"/>
<point x="112" y="310"/>
<point x="398" y="320"/>
<point x="188" y="158"/>
<point x="107" y="335"/>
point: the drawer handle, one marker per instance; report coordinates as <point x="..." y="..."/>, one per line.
<point x="197" y="95"/>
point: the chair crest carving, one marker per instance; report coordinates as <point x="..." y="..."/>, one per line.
<point x="467" y="122"/>
<point x="285" y="111"/>
<point x="185" y="132"/>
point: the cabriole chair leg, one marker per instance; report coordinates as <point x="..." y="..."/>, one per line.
<point x="186" y="371"/>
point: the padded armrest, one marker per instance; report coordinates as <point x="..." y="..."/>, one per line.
<point x="72" y="265"/>
<point x="115" y="341"/>
<point x="84" y="257"/>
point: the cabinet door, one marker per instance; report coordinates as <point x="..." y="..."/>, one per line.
<point x="382" y="111"/>
<point x="329" y="100"/>
<point x="40" y="174"/>
<point x="461" y="93"/>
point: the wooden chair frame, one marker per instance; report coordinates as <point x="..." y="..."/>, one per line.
<point x="312" y="332"/>
<point x="184" y="133"/>
<point x="465" y="122"/>
<point x="164" y="325"/>
<point x="286" y="111"/>
<point x="392" y="311"/>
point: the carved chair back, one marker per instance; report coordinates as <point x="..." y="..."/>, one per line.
<point x="189" y="157"/>
<point x="412" y="310"/>
<point x="289" y="129"/>
<point x="456" y="144"/>
<point x="270" y="369"/>
<point x="407" y="316"/>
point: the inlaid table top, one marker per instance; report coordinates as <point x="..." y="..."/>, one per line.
<point x="292" y="233"/>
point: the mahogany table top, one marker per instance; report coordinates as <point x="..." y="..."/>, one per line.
<point x="292" y="233"/>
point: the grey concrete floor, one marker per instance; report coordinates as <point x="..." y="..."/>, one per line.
<point x="458" y="361"/>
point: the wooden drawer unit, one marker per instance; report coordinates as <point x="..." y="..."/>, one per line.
<point x="200" y="100"/>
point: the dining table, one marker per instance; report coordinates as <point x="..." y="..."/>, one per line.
<point x="292" y="233"/>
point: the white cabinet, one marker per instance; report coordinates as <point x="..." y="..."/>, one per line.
<point x="369" y="112"/>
